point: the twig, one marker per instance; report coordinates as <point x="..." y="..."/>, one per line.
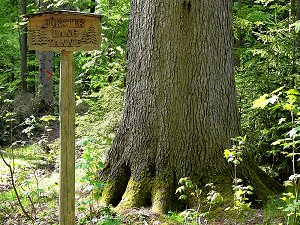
<point x="14" y="186"/>
<point x="33" y="211"/>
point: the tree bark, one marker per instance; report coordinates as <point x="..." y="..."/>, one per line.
<point x="93" y="6"/>
<point x="293" y="10"/>
<point x="23" y="49"/>
<point x="239" y="35"/>
<point x="180" y="106"/>
<point x="298" y="9"/>
<point x="45" y="89"/>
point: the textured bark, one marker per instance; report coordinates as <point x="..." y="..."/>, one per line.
<point x="180" y="108"/>
<point x="45" y="89"/>
<point x="239" y="36"/>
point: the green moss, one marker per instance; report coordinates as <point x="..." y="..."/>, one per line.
<point x="108" y="193"/>
<point x="162" y="196"/>
<point x="137" y="194"/>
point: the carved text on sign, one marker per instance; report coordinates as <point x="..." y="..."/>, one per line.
<point x="61" y="32"/>
<point x="62" y="23"/>
<point x="72" y="38"/>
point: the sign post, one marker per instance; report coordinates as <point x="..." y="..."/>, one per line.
<point x="65" y="31"/>
<point x="67" y="140"/>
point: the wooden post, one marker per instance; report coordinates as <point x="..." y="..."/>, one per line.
<point x="67" y="135"/>
<point x="65" y="31"/>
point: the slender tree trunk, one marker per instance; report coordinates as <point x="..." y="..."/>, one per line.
<point x="93" y="6"/>
<point x="298" y="9"/>
<point x="180" y="106"/>
<point x="239" y="35"/>
<point x="293" y="17"/>
<point x="45" y="89"/>
<point x="293" y="9"/>
<point x="23" y="48"/>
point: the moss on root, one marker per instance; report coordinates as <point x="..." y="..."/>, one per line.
<point x="109" y="194"/>
<point x="163" y="193"/>
<point x="137" y="194"/>
<point x="159" y="193"/>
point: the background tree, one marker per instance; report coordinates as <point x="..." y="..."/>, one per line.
<point x="180" y="106"/>
<point x="45" y="75"/>
<point x="23" y="48"/>
<point x="93" y="6"/>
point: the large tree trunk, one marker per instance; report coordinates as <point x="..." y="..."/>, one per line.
<point x="180" y="107"/>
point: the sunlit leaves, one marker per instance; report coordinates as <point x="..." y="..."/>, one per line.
<point x="262" y="102"/>
<point x="265" y="2"/>
<point x="101" y="68"/>
<point x="48" y="118"/>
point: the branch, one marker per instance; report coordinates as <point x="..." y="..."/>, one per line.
<point x="14" y="186"/>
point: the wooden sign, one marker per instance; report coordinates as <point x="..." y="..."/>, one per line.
<point x="64" y="30"/>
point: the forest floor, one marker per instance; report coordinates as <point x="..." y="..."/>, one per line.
<point x="37" y="176"/>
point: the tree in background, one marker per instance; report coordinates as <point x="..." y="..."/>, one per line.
<point x="180" y="106"/>
<point x="23" y="49"/>
<point x="93" y="6"/>
<point x="45" y="90"/>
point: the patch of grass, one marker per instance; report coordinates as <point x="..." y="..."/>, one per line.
<point x="36" y="185"/>
<point x="272" y="213"/>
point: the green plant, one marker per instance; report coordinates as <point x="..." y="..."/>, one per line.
<point x="267" y="59"/>
<point x="189" y="192"/>
<point x="103" y="216"/>
<point x="11" y="168"/>
<point x="273" y="213"/>
<point x="234" y="156"/>
<point x="35" y="182"/>
<point x="290" y="143"/>
<point x="31" y="125"/>
<point x="90" y="162"/>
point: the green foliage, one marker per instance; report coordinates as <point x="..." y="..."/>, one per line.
<point x="91" y="163"/>
<point x="273" y="212"/>
<point x="48" y="118"/>
<point x="189" y="192"/>
<point x="7" y="120"/>
<point x="37" y="187"/>
<point x="240" y="200"/>
<point x="97" y="69"/>
<point x="289" y="143"/>
<point x="267" y="61"/>
<point x="103" y="216"/>
<point x="95" y="131"/>
<point x="9" y="58"/>
<point x="102" y="117"/>
<point x="292" y="207"/>
<point x="234" y="155"/>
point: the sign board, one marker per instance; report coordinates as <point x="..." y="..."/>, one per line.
<point x="64" y="30"/>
